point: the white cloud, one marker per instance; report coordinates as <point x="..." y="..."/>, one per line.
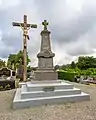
<point x="75" y="4"/>
<point x="5" y="4"/>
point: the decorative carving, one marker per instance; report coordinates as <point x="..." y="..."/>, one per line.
<point x="44" y="55"/>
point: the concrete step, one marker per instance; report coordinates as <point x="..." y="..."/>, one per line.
<point x="23" y="88"/>
<point x="25" y="103"/>
<point x="37" y="94"/>
<point x="56" y="86"/>
<point x="45" y="81"/>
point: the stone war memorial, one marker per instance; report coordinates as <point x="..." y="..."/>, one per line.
<point x="45" y="57"/>
<point x="45" y="88"/>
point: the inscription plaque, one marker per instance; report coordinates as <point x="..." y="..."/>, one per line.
<point x="47" y="89"/>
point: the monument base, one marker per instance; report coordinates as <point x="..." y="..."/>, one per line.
<point x="31" y="95"/>
<point x="45" y="75"/>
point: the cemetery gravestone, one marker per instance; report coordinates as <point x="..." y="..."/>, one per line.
<point x="32" y="75"/>
<point x="5" y="72"/>
<point x="4" y="82"/>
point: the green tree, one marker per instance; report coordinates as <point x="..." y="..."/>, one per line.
<point x="11" y="63"/>
<point x="29" y="69"/>
<point x="14" y="60"/>
<point x="65" y="66"/>
<point x="73" y="65"/>
<point x="2" y="63"/>
<point x="20" y="57"/>
<point x="85" y="62"/>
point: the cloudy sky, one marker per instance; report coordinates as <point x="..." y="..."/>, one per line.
<point x="72" y="24"/>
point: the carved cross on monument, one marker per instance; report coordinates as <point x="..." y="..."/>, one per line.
<point x="45" y="23"/>
<point x="25" y="27"/>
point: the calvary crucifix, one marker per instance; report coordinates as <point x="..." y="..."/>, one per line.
<point x="25" y="27"/>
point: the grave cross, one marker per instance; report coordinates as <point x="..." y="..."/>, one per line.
<point x="45" y="23"/>
<point x="25" y="27"/>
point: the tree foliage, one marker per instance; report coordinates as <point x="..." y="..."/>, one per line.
<point x="73" y="65"/>
<point x="14" y="60"/>
<point x="2" y="63"/>
<point x="65" y="66"/>
<point x="83" y="63"/>
<point x="86" y="62"/>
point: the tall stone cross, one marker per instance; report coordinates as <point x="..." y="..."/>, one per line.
<point x="45" y="23"/>
<point x="25" y="27"/>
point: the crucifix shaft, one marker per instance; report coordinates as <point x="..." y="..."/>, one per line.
<point x="25" y="27"/>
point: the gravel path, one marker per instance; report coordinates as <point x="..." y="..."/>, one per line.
<point x="72" y="111"/>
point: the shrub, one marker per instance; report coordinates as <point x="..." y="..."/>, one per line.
<point x="7" y="87"/>
<point x="6" y="82"/>
<point x="88" y="72"/>
<point x="1" y="87"/>
<point x="65" y="75"/>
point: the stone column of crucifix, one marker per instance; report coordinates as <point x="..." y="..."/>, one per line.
<point x="25" y="27"/>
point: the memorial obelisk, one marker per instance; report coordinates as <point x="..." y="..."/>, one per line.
<point x="45" y="69"/>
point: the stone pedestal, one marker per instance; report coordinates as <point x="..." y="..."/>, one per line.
<point x="46" y="75"/>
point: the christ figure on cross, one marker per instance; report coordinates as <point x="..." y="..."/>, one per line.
<point x="25" y="27"/>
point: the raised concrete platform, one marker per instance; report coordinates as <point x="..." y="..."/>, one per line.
<point x="35" y="94"/>
<point x="40" y="87"/>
